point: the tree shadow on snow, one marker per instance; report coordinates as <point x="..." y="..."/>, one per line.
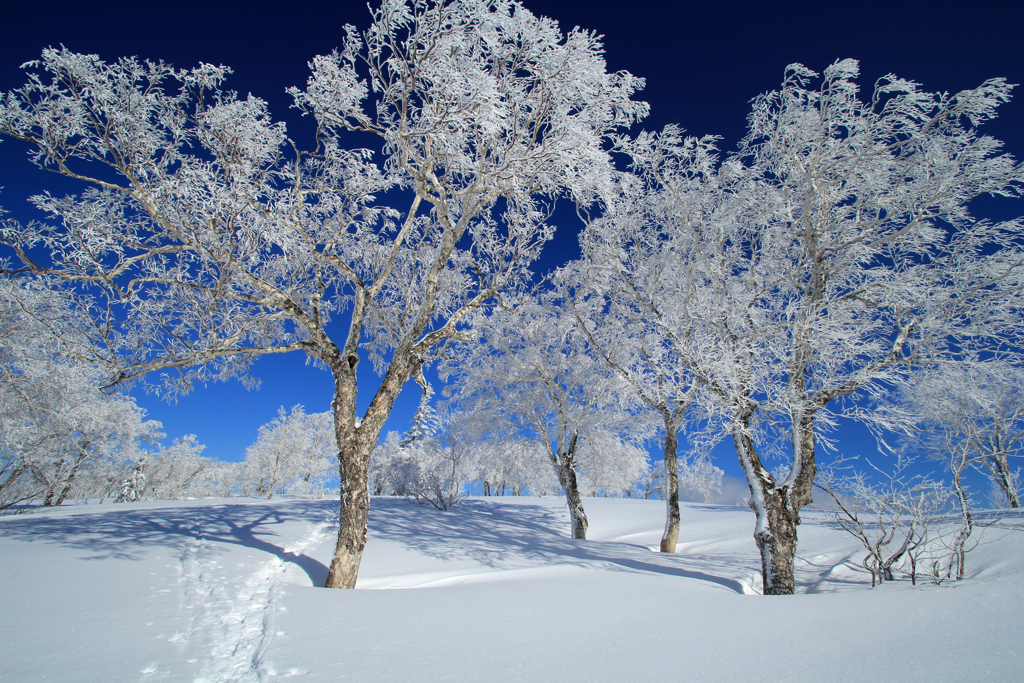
<point x="511" y="536"/>
<point x="125" y="533"/>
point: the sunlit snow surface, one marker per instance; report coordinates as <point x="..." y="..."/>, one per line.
<point x="222" y="590"/>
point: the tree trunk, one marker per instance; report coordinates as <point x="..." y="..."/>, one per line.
<point x="1000" y="468"/>
<point x="355" y="445"/>
<point x="777" y="516"/>
<point x="959" y="545"/>
<point x="577" y="516"/>
<point x="776" y="539"/>
<point x="353" y="479"/>
<point x="805" y="467"/>
<point x="354" y="510"/>
<point x="51" y="487"/>
<point x="671" y="535"/>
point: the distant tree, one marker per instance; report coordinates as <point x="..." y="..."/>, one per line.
<point x="204" y="239"/>
<point x="133" y="484"/>
<point x="433" y="469"/>
<point x="443" y="466"/>
<point x="701" y="478"/>
<point x="651" y="482"/>
<point x="529" y="373"/>
<point x="610" y="465"/>
<point x="293" y="454"/>
<point x="392" y="467"/>
<point x="972" y="415"/>
<point x="58" y="429"/>
<point x="180" y="471"/>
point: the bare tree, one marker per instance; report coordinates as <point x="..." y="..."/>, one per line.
<point x="207" y="237"/>
<point x="895" y="514"/>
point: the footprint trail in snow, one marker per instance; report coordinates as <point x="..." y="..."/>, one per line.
<point x="241" y="626"/>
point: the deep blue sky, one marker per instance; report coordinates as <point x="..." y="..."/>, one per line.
<point x="703" y="63"/>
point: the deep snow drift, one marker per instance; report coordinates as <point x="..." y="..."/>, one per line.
<point x="222" y="590"/>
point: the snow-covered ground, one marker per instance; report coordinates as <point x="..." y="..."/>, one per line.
<point x="223" y="590"/>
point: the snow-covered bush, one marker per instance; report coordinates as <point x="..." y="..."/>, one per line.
<point x="901" y="517"/>
<point x="443" y="467"/>
<point x="435" y="469"/>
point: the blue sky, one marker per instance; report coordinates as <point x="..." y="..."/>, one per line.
<point x="703" y="63"/>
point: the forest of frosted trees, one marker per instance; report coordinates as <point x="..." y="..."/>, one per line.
<point x="830" y="270"/>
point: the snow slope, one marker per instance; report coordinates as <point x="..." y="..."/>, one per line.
<point x="222" y="590"/>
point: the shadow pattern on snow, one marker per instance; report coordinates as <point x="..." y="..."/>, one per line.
<point x="125" y="533"/>
<point x="501" y="536"/>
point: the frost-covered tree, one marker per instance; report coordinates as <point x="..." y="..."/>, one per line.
<point x="392" y="467"/>
<point x="433" y="469"/>
<point x="530" y="374"/>
<point x="292" y="454"/>
<point x="627" y="284"/>
<point x="821" y="264"/>
<point x="879" y="265"/>
<point x="701" y="478"/>
<point x="180" y="471"/>
<point x="444" y="466"/>
<point x="133" y="484"/>
<point x="58" y="430"/>
<point x="975" y="411"/>
<point x="610" y="465"/>
<point x="507" y="464"/>
<point x="171" y="472"/>
<point x="650" y="483"/>
<point x="206" y="237"/>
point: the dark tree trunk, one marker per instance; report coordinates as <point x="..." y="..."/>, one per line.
<point x="70" y="481"/>
<point x="355" y="445"/>
<point x="804" y="462"/>
<point x="777" y="506"/>
<point x="51" y="486"/>
<point x="671" y="535"/>
<point x="1004" y="478"/>
<point x="577" y="516"/>
<point x="776" y="541"/>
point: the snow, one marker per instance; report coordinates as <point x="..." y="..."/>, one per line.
<point x="223" y="590"/>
